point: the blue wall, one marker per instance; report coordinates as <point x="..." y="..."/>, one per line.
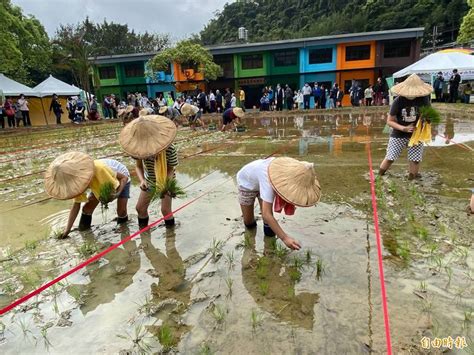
<point x="154" y="88"/>
<point x="319" y="77"/>
<point x="160" y="83"/>
<point x="305" y="67"/>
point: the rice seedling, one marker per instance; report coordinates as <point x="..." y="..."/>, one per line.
<point x="229" y="283"/>
<point x="230" y="260"/>
<point x="205" y="349"/>
<point x="423" y="287"/>
<point x="147" y="307"/>
<point x="106" y="194"/>
<point x="8" y="287"/>
<point x="421" y="232"/>
<point x="216" y="246"/>
<point x="462" y="253"/>
<point x="392" y="188"/>
<point x="57" y="233"/>
<point x="262" y="267"/>
<point x="281" y="251"/>
<point x="403" y="251"/>
<point x="466" y="323"/>
<point x="139" y="339"/>
<point x="170" y="188"/>
<point x="308" y="255"/>
<point x="219" y="313"/>
<point x="255" y="319"/>
<point x="297" y="263"/>
<point x="295" y="275"/>
<point x="44" y="335"/>
<point x="449" y="273"/>
<point x="263" y="287"/>
<point x="246" y="243"/>
<point x="320" y="268"/>
<point x="25" y="329"/>
<point x="31" y="245"/>
<point x="166" y="337"/>
<point x="438" y="262"/>
<point x="87" y="249"/>
<point x="76" y="293"/>
<point x="430" y="114"/>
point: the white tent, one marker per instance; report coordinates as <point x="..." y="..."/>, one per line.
<point x="10" y="87"/>
<point x="442" y="61"/>
<point x="52" y="86"/>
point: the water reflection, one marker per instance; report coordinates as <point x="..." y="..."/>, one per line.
<point x="271" y="284"/>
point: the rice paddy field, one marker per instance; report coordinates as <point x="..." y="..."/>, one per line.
<point x="210" y="287"/>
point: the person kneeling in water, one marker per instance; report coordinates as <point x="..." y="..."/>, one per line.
<point x="72" y="173"/>
<point x="148" y="139"/>
<point x="279" y="184"/>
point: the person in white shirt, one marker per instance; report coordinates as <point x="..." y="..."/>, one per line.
<point x="279" y="184"/>
<point x="306" y="91"/>
<point x="212" y="102"/>
<point x="233" y="101"/>
<point x="25" y="110"/>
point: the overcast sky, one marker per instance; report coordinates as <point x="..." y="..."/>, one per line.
<point x="177" y="17"/>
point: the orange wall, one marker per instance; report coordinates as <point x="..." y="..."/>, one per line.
<point x="342" y="64"/>
<point x="179" y="74"/>
<point x="341" y="78"/>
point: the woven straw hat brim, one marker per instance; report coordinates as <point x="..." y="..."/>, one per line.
<point x="129" y="109"/>
<point x="162" y="109"/>
<point x="143" y="112"/>
<point x="238" y="112"/>
<point x="69" y="175"/>
<point x="187" y="110"/>
<point x="294" y="181"/>
<point x="412" y="88"/>
<point x="146" y="136"/>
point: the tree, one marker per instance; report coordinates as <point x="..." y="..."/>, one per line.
<point x="25" y="50"/>
<point x="189" y="53"/>
<point x="466" y="32"/>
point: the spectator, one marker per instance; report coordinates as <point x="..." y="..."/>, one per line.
<point x="323" y="96"/>
<point x="288" y="97"/>
<point x="333" y="95"/>
<point x="339" y="97"/>
<point x="299" y="99"/>
<point x="202" y="101"/>
<point x="9" y="110"/>
<point x="80" y="109"/>
<point x="438" y="87"/>
<point x="242" y="99"/>
<point x="93" y="114"/>
<point x="218" y="101"/>
<point x="280" y="95"/>
<point x="306" y="91"/>
<point x="233" y="101"/>
<point x="25" y="110"/>
<point x="18" y="115"/>
<point x="227" y="98"/>
<point x="368" y="94"/>
<point x="454" y="86"/>
<point x="71" y="108"/>
<point x="317" y="95"/>
<point x="55" y="107"/>
<point x="467" y="90"/>
<point x="379" y="89"/>
<point x="2" y="115"/>
<point x="271" y="97"/>
<point x="264" y="103"/>
<point x="107" y="104"/>
<point x="212" y="102"/>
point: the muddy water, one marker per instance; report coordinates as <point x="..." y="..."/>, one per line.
<point x="208" y="285"/>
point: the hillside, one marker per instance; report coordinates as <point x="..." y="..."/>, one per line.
<point x="284" y="19"/>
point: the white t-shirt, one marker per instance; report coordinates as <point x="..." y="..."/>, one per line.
<point x="233" y="101"/>
<point x="254" y="177"/>
<point x="116" y="166"/>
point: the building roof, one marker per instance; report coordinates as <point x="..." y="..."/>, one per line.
<point x="51" y="86"/>
<point x="232" y="48"/>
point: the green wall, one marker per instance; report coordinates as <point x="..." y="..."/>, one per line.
<point x="132" y="80"/>
<point x="247" y="73"/>
<point x="293" y="69"/>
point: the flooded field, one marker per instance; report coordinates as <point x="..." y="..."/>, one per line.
<point x="208" y="286"/>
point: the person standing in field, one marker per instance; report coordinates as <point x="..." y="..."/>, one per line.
<point x="227" y="98"/>
<point x="438" y="87"/>
<point x="454" y="82"/>
<point x="404" y="114"/>
<point x="306" y="90"/>
<point x="55" y="107"/>
<point x="242" y="99"/>
<point x="280" y="95"/>
<point x="212" y="102"/>
<point x="271" y="98"/>
<point x="368" y="94"/>
<point x="25" y="110"/>
<point x="288" y="97"/>
<point x="218" y="101"/>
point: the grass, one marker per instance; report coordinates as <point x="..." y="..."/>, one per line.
<point x="295" y="275"/>
<point x="87" y="249"/>
<point x="31" y="245"/>
<point x="255" y="319"/>
<point x="138" y="339"/>
<point x="205" y="349"/>
<point x="229" y="283"/>
<point x="166" y="337"/>
<point x="423" y="287"/>
<point x="320" y="268"/>
<point x="262" y="267"/>
<point x="216" y="246"/>
<point x="106" y="193"/>
<point x="219" y="313"/>
<point x="263" y="287"/>
<point x="403" y="251"/>
<point x="230" y="260"/>
<point x="170" y="188"/>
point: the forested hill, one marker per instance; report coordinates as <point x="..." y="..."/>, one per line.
<point x="268" y="20"/>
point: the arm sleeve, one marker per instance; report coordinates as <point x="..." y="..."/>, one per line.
<point x="172" y="156"/>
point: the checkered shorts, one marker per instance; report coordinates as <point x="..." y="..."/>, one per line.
<point x="247" y="197"/>
<point x="396" y="146"/>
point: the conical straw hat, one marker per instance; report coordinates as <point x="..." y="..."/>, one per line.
<point x="295" y="181"/>
<point x="146" y="136"/>
<point x="144" y="112"/>
<point x="238" y="112"/>
<point x="162" y="109"/>
<point x="187" y="110"/>
<point x="69" y="175"/>
<point x="412" y="88"/>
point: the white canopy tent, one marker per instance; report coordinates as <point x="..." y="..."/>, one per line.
<point x="9" y="87"/>
<point x="442" y="61"/>
<point x="51" y="86"/>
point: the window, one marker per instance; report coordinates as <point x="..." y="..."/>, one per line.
<point x="358" y="52"/>
<point x="107" y="73"/>
<point x="285" y="59"/>
<point x="225" y="62"/>
<point x="320" y="56"/>
<point x="134" y="70"/>
<point x="397" y="49"/>
<point x="363" y="83"/>
<point x="252" y="61"/>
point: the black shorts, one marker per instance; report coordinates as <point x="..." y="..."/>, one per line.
<point x="227" y="120"/>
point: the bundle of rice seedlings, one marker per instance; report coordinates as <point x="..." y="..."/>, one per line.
<point x="170" y="187"/>
<point x="430" y="114"/>
<point x="106" y="193"/>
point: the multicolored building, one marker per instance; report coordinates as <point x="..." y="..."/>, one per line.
<point x="252" y="66"/>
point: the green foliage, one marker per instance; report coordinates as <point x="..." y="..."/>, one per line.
<point x="189" y="54"/>
<point x="25" y="50"/>
<point x="170" y="187"/>
<point x="431" y="114"/>
<point x="278" y="19"/>
<point x="466" y="32"/>
<point x="106" y="193"/>
<point x="166" y="337"/>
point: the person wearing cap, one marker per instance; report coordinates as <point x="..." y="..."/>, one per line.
<point x="193" y="114"/>
<point x="71" y="174"/>
<point x="438" y="87"/>
<point x="170" y="112"/>
<point x="148" y="139"/>
<point x="404" y="113"/>
<point x="231" y="114"/>
<point x="280" y="184"/>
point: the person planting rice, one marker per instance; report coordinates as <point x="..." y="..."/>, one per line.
<point x="193" y="114"/>
<point x="148" y="139"/>
<point x="412" y="94"/>
<point x="279" y="184"/>
<point x="128" y="114"/>
<point x="71" y="174"/>
<point x="231" y="114"/>
<point x="170" y="112"/>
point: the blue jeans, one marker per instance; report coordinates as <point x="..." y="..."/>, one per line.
<point x="467" y="99"/>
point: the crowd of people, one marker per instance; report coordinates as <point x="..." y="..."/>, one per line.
<point x="448" y="90"/>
